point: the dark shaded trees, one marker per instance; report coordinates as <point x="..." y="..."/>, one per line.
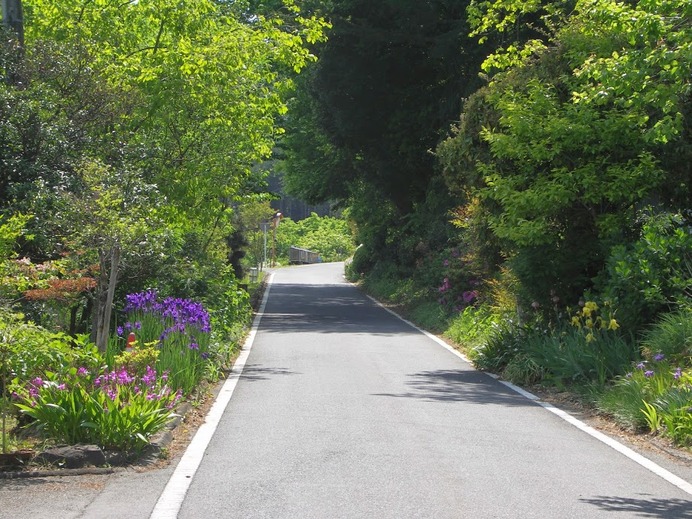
<point x="388" y="83"/>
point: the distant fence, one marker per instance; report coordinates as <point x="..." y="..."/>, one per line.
<point x="302" y="256"/>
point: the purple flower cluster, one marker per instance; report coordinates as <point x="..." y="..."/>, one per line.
<point x="147" y="384"/>
<point x="142" y="301"/>
<point x="182" y="312"/>
<point x="649" y="372"/>
<point x="120" y="386"/>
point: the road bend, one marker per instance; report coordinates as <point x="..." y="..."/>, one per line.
<point x="345" y="411"/>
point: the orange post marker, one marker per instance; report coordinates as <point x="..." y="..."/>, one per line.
<point x="131" y="339"/>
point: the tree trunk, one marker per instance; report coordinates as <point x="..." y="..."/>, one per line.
<point x="13" y="19"/>
<point x="105" y="295"/>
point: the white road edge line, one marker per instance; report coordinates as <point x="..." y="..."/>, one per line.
<point x="171" y="499"/>
<point x="671" y="478"/>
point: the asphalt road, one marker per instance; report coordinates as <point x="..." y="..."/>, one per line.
<point x="345" y="411"/>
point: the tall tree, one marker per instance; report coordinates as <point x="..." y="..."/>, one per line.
<point x="187" y="94"/>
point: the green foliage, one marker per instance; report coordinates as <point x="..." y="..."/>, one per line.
<point x="328" y="236"/>
<point x="10" y="230"/>
<point x="575" y="133"/>
<point x="505" y="342"/>
<point x="653" y="273"/>
<point x="671" y="335"/>
<point x="655" y="394"/>
<point x="571" y="358"/>
<point x="11" y="282"/>
<point x="381" y="95"/>
<point x="115" y="409"/>
<point x="623" y="401"/>
<point x="472" y="327"/>
<point x="589" y="351"/>
<point x="231" y="314"/>
<point x="524" y="369"/>
<point x="35" y="351"/>
<point x="252" y="216"/>
<point x="211" y="85"/>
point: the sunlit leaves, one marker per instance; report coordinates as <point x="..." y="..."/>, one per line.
<point x="579" y="119"/>
<point x="213" y="84"/>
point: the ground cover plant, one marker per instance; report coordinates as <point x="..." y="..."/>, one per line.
<point x="70" y="392"/>
<point x="114" y="409"/>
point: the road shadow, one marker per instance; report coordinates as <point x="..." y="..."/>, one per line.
<point x="459" y="386"/>
<point x="256" y="372"/>
<point x="328" y="309"/>
<point x="663" y="508"/>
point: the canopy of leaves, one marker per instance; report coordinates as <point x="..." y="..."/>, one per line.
<point x="571" y="139"/>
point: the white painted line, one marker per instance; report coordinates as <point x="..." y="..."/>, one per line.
<point x="671" y="478"/>
<point x="172" y="497"/>
<point x="435" y="338"/>
<point x="622" y="449"/>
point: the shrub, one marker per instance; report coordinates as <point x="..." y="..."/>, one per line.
<point x="430" y="316"/>
<point x="232" y="313"/>
<point x="451" y="274"/>
<point x="505" y="341"/>
<point x="35" y="351"/>
<point x="589" y="351"/>
<point x="653" y="274"/>
<point x="524" y="370"/>
<point x="472" y="327"/>
<point x="671" y="336"/>
<point x="570" y="357"/>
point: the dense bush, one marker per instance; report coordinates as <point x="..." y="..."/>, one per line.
<point x="33" y="351"/>
<point x="671" y="336"/>
<point x="653" y="273"/>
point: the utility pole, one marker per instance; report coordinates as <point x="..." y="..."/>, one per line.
<point x="13" y="19"/>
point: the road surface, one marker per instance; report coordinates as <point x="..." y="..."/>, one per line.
<point x="343" y="410"/>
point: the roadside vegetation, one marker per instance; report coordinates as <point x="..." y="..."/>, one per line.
<point x="516" y="176"/>
<point x="549" y="232"/>
<point x="130" y="138"/>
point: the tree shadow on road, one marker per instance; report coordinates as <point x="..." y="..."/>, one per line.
<point x="664" y="508"/>
<point x="256" y="372"/>
<point x="328" y="309"/>
<point x="459" y="386"/>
